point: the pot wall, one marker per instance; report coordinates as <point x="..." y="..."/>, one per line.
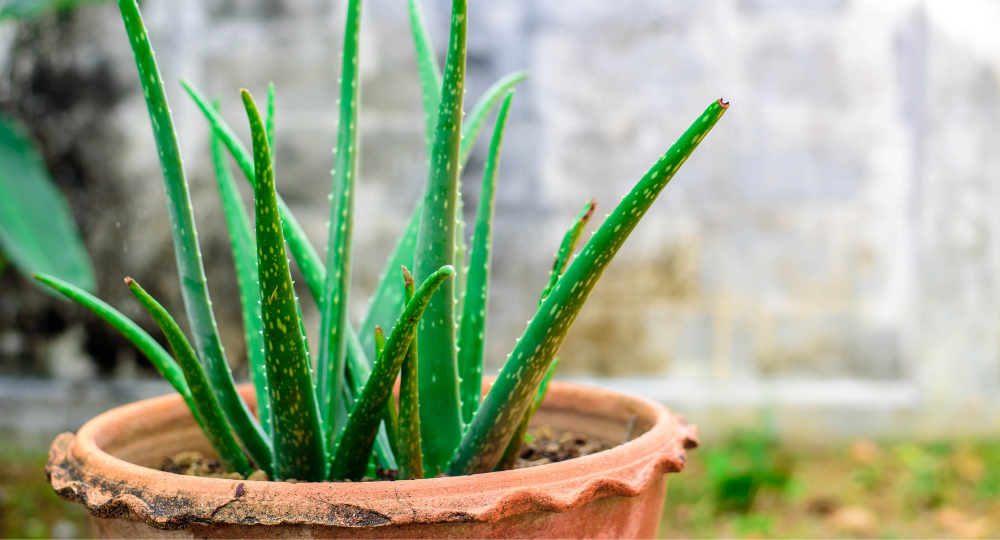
<point x="109" y="467"/>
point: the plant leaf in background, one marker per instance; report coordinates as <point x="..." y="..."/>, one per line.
<point x="472" y="328"/>
<point x="336" y="289"/>
<point x="37" y="231"/>
<point x="12" y="10"/>
<point x="244" y="248"/>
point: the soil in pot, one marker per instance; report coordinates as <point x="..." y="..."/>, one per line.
<point x="542" y="447"/>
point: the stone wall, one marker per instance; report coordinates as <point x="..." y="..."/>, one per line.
<point x="836" y="235"/>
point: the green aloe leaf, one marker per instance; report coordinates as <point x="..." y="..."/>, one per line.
<point x="481" y="110"/>
<point x="214" y="424"/>
<point x="302" y="250"/>
<point x="355" y="446"/>
<point x="358" y="371"/>
<point x="313" y="269"/>
<point x="487" y="437"/>
<point x="441" y="409"/>
<point x="37" y="231"/>
<point x="337" y="286"/>
<point x="410" y="457"/>
<point x="472" y="334"/>
<point x="194" y="288"/>
<point x="513" y="451"/>
<point x="160" y="358"/>
<point x="428" y="70"/>
<point x="567" y="247"/>
<point x="244" y="248"/>
<point x="269" y="121"/>
<point x="299" y="449"/>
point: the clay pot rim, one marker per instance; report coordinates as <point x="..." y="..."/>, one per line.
<point x="81" y="471"/>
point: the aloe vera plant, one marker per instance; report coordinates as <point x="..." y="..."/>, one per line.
<point x="427" y="329"/>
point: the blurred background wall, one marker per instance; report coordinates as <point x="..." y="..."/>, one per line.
<point x="830" y="255"/>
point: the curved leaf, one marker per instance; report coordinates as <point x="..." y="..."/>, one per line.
<point x="214" y="424"/>
<point x="37" y="231"/>
<point x="510" y="396"/>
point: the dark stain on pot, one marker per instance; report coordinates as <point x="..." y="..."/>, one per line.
<point x="241" y="490"/>
<point x="348" y="515"/>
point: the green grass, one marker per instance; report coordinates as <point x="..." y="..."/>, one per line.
<point x="751" y="486"/>
<point x="28" y="506"/>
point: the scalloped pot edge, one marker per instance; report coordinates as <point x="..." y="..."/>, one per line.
<point x="615" y="493"/>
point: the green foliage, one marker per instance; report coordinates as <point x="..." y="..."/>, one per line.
<point x="472" y="333"/>
<point x="207" y="408"/>
<point x="244" y="248"/>
<point x="300" y="449"/>
<point x="338" y="423"/>
<point x="740" y="471"/>
<point x="26" y="9"/>
<point x="441" y="416"/>
<point x="337" y="286"/>
<point x="488" y="435"/>
<point x="354" y="448"/>
<point x="37" y="231"/>
<point x="194" y="287"/>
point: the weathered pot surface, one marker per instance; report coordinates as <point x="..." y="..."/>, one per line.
<point x="109" y="467"/>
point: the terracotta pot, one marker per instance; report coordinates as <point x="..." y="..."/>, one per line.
<point x="616" y="493"/>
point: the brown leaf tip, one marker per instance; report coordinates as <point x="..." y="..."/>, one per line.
<point x="723" y="103"/>
<point x="407" y="276"/>
<point x="590" y="212"/>
<point x="129" y="281"/>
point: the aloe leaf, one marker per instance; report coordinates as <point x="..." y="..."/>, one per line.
<point x="302" y="250"/>
<point x="194" y="289"/>
<point x="411" y="461"/>
<point x="513" y="451"/>
<point x="441" y="409"/>
<point x="472" y="333"/>
<point x="511" y="395"/>
<point x="566" y="249"/>
<point x="358" y="371"/>
<point x="387" y="302"/>
<point x="428" y="70"/>
<point x="299" y="450"/>
<point x="481" y="110"/>
<point x="244" y="248"/>
<point x="461" y="257"/>
<point x="214" y="424"/>
<point x="568" y="246"/>
<point x="269" y="121"/>
<point x="160" y="358"/>
<point x="389" y="415"/>
<point x="337" y="286"/>
<point x="355" y="446"/>
<point x="37" y="231"/>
